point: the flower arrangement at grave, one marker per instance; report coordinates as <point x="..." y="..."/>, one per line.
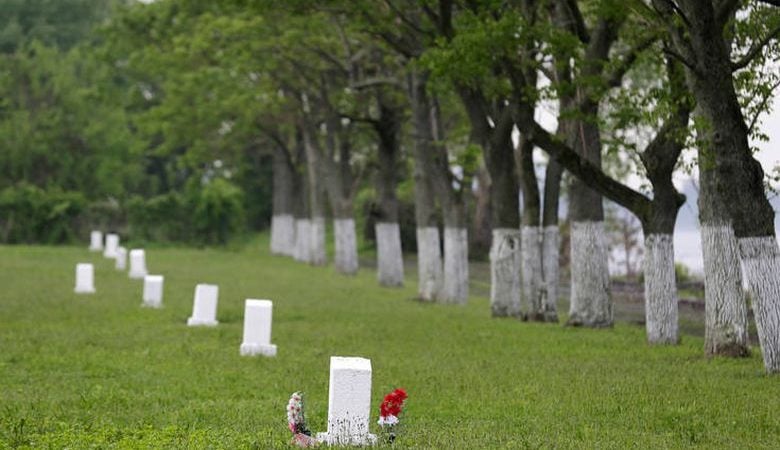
<point x="296" y="422"/>
<point x="390" y="412"/>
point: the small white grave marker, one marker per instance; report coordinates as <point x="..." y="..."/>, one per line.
<point x="112" y="244"/>
<point x="349" y="402"/>
<point x="85" y="279"/>
<point x="121" y="258"/>
<point x="204" y="306"/>
<point x="153" y="291"/>
<point x="137" y="263"/>
<point x="257" y="328"/>
<point x="95" y="241"/>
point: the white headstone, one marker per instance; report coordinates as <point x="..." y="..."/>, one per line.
<point x="257" y="328"/>
<point x="121" y="258"/>
<point x="85" y="279"/>
<point x="95" y="241"/>
<point x="349" y="402"/>
<point x="112" y="244"/>
<point x="204" y="306"/>
<point x="153" y="291"/>
<point x="137" y="263"/>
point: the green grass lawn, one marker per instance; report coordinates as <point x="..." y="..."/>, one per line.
<point x="99" y="371"/>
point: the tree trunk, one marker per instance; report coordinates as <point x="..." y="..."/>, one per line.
<point x="283" y="219"/>
<point x="551" y="243"/>
<point x="735" y="177"/>
<point x="725" y="332"/>
<point x="591" y="303"/>
<point x="345" y="238"/>
<point x="456" y="245"/>
<point x="428" y="240"/>
<point x="726" y="327"/>
<point x="456" y="265"/>
<point x="390" y="262"/>
<point x="504" y="273"/>
<point x="482" y="225"/>
<point x="346" y="257"/>
<point x="660" y="290"/>
<point x="531" y="259"/>
<point x="495" y="138"/>
<point x="302" y="251"/>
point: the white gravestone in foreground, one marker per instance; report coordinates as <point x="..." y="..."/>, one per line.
<point x="85" y="279"/>
<point x="112" y="244"/>
<point x="120" y="262"/>
<point x="95" y="241"/>
<point x="349" y="402"/>
<point x="257" y="328"/>
<point x="153" y="291"/>
<point x="137" y="264"/>
<point x="204" y="306"/>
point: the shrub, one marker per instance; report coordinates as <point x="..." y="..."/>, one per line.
<point x="162" y="218"/>
<point x="681" y="273"/>
<point x="218" y="211"/>
<point x="29" y="214"/>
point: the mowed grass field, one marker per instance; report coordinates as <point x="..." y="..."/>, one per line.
<point x="99" y="371"/>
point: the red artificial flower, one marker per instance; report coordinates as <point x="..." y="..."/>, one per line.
<point x="393" y="403"/>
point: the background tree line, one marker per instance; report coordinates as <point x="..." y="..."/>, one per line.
<point x="191" y="120"/>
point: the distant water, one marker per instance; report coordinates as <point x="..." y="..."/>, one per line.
<point x="687" y="250"/>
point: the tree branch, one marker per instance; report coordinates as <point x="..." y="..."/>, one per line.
<point x="583" y="169"/>
<point x="754" y="50"/>
<point x="725" y="10"/>
<point x="764" y="101"/>
<point x="410" y="23"/>
<point x="376" y="81"/>
<point x="680" y="58"/>
<point x="577" y="21"/>
<point x="615" y="78"/>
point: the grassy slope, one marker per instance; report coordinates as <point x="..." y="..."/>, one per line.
<point x="99" y="370"/>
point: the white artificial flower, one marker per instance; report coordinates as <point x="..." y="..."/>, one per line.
<point x="388" y="420"/>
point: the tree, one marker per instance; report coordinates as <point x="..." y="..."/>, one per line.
<point x="732" y="182"/>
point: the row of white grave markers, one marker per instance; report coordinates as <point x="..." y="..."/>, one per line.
<point x="349" y="389"/>
<point x="257" y="313"/>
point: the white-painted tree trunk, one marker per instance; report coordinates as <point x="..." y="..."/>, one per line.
<point x="551" y="251"/>
<point x="346" y="256"/>
<point x="317" y="244"/>
<point x="591" y="305"/>
<point x="389" y="255"/>
<point x="505" y="273"/>
<point x="724" y="301"/>
<point x="532" y="272"/>
<point x="283" y="234"/>
<point x="661" y="318"/>
<point x="456" y="266"/>
<point x="302" y="240"/>
<point x="761" y="262"/>
<point x="429" y="268"/>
